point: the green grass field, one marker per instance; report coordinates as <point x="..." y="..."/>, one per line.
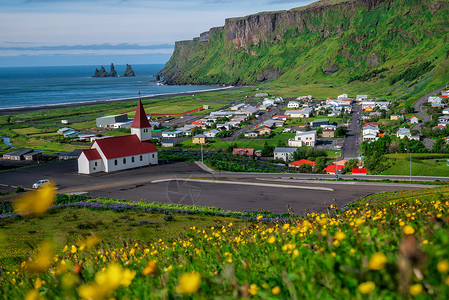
<point x="392" y="245"/>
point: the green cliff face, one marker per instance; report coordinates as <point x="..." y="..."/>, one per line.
<point x="386" y="44"/>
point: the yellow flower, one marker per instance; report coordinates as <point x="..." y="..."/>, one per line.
<point x="323" y="232"/>
<point x="229" y="260"/>
<point x="276" y="290"/>
<point x="377" y="261"/>
<point x="415" y="289"/>
<point x="443" y="266"/>
<point x="253" y="289"/>
<point x="73" y="249"/>
<point x="340" y="236"/>
<point x="286" y="226"/>
<point x="188" y="283"/>
<point x="409" y="229"/>
<point x="366" y="287"/>
<point x="271" y="239"/>
<point x="106" y="282"/>
<point x="151" y="268"/>
<point x="259" y="217"/>
<point x="38" y="283"/>
<point x="33" y="295"/>
<point x="36" y="202"/>
<point x="43" y="260"/>
<point x="91" y="241"/>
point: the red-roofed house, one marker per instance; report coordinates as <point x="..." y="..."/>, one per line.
<point x="123" y="152"/>
<point x="299" y="163"/>
<point x="331" y="169"/>
<point x="243" y="151"/>
<point x="359" y="171"/>
<point x="414" y="119"/>
<point x="373" y="124"/>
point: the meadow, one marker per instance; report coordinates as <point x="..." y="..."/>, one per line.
<point x="392" y="245"/>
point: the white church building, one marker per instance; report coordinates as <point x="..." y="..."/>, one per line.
<point x="123" y="152"/>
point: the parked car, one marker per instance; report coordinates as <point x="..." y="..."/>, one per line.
<point x="40" y="183"/>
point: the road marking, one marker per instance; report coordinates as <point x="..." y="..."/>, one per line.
<point x="248" y="183"/>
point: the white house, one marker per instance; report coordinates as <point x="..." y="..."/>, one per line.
<point x="212" y="133"/>
<point x="123" y="152"/>
<point x="268" y="102"/>
<point x="403" y="132"/>
<point x="285" y="154"/>
<point x="293" y="104"/>
<point x="361" y="97"/>
<point x="435" y="100"/>
<point x="238" y="106"/>
<point x="302" y="113"/>
<point x="414" y="119"/>
<point x="172" y="134"/>
<point x="307" y="138"/>
<point x="446" y="111"/>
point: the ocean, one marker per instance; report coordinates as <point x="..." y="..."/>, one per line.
<point x="36" y="86"/>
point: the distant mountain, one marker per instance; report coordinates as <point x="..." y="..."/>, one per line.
<point x="386" y="44"/>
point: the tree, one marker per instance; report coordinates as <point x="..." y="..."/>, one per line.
<point x="282" y="143"/>
<point x="231" y="147"/>
<point x="267" y="150"/>
<point x="341" y="132"/>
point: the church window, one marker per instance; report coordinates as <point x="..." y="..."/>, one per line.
<point x="141" y="158"/>
<point x="124" y="160"/>
<point x="153" y="155"/>
<point x="115" y="162"/>
<point x="96" y="163"/>
<point x="132" y="159"/>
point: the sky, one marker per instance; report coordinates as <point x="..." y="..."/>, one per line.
<point x="94" y="32"/>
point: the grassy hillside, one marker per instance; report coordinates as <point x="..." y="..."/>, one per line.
<point x="392" y="245"/>
<point x="390" y="48"/>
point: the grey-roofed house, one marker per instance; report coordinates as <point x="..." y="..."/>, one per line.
<point x="108" y="120"/>
<point x="168" y="143"/>
<point x="70" y="155"/>
<point x="32" y="156"/>
<point x="17" y="155"/>
<point x="285" y="154"/>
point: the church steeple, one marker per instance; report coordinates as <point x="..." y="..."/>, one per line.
<point x="140" y="126"/>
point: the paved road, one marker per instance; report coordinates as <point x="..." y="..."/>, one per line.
<point x="425" y="118"/>
<point x="150" y="184"/>
<point x="351" y="144"/>
<point x="265" y="116"/>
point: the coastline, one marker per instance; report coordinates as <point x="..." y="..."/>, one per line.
<point x="28" y="109"/>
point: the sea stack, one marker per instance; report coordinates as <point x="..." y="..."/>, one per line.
<point x="113" y="72"/>
<point x="102" y="72"/>
<point x="129" y="71"/>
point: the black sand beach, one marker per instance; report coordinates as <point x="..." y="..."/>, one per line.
<point x="21" y="110"/>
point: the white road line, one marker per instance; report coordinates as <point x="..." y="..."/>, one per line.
<point x="248" y="183"/>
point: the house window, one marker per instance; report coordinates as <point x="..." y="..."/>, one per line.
<point x="132" y="159"/>
<point x="141" y="158"/>
<point x="124" y="161"/>
<point x="153" y="155"/>
<point x="115" y="162"/>
<point x="96" y="163"/>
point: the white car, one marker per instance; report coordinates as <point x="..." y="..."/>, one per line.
<point x="40" y="183"/>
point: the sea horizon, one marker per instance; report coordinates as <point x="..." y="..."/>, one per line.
<point x="25" y="87"/>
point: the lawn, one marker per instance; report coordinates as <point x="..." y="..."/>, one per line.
<point x="70" y="225"/>
<point x="428" y="167"/>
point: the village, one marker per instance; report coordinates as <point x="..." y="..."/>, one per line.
<point x="302" y="134"/>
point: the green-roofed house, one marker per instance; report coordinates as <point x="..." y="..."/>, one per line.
<point x="318" y="122"/>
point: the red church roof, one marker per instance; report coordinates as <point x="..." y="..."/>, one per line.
<point x="302" y="162"/>
<point x="91" y="154"/>
<point x="122" y="146"/>
<point x="140" y="118"/>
